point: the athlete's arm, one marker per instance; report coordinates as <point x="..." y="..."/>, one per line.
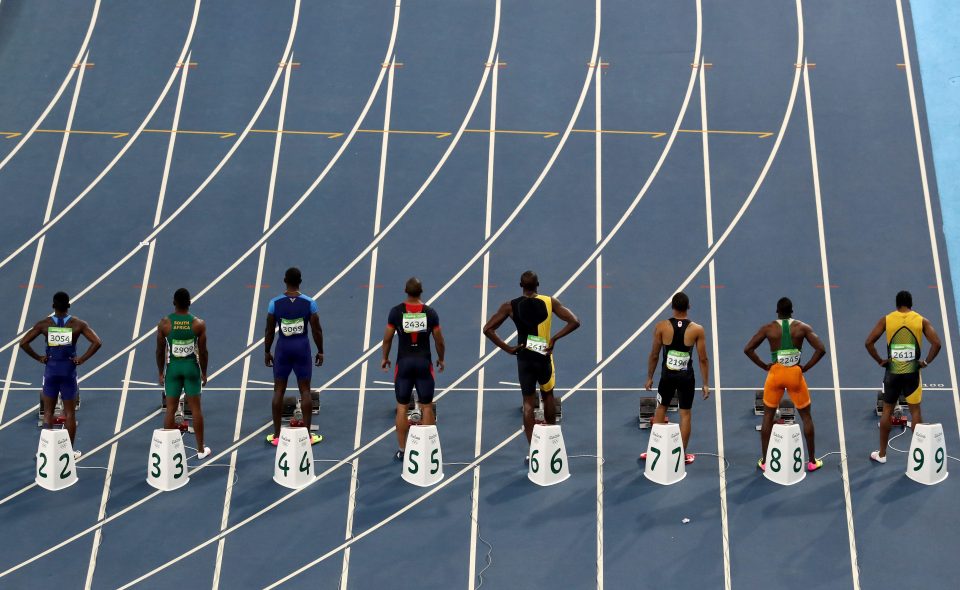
<point x="387" y="345"/>
<point x="654" y="356"/>
<point x="441" y="346"/>
<point x="268" y="333"/>
<point x="28" y="338"/>
<point x="701" y="340"/>
<point x="317" y="332"/>
<point x="161" y="353"/>
<point x="95" y="343"/>
<point x="566" y="315"/>
<point x="495" y="321"/>
<point x="872" y="338"/>
<point x="819" y="351"/>
<point x="751" y="348"/>
<point x="934" y="339"/>
<point x="200" y="329"/>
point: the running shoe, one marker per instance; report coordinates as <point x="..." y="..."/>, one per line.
<point x="76" y="454"/>
<point x="643" y="456"/>
<point x="398" y="456"/>
<point x="315" y="438"/>
<point x="875" y="456"/>
<point x="526" y="461"/>
<point x="760" y="464"/>
<point x="204" y="454"/>
<point x="273" y="440"/>
<point x="689" y="458"/>
<point x="815" y="464"/>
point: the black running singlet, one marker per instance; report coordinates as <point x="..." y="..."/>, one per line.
<point x="676" y="355"/>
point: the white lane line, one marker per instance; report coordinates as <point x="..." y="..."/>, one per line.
<point x="144" y="283"/>
<point x="371" y="282"/>
<point x="593" y="373"/>
<point x="54" y="184"/>
<point x="815" y="169"/>
<point x="251" y="326"/>
<point x="484" y="303"/>
<point x="12" y="382"/>
<point x="383" y="383"/>
<point x="928" y="206"/>
<point x="63" y="86"/>
<point x="509" y="383"/>
<point x="715" y="340"/>
<point x="49" y="223"/>
<point x="260" y="276"/>
<point x="598" y="235"/>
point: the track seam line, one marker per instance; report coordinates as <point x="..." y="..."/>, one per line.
<point x="598" y="237"/>
<point x="828" y="302"/>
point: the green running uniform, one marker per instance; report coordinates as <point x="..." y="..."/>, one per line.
<point x="183" y="369"/>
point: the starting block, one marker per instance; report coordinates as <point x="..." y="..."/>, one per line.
<point x="665" y="458"/>
<point x="786" y="458"/>
<point x="415" y="412"/>
<point x="901" y="411"/>
<point x="538" y="416"/>
<point x="548" y="456"/>
<point x="293" y="464"/>
<point x="56" y="468"/>
<point x="423" y="460"/>
<point x="167" y="463"/>
<point x="59" y="418"/>
<point x="927" y="461"/>
<point x="786" y="413"/>
<point x="648" y="406"/>
<point x="292" y="413"/>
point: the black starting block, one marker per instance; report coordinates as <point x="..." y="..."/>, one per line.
<point x="648" y="405"/>
<point x="786" y="413"/>
<point x="901" y="411"/>
<point x="538" y="416"/>
<point x="59" y="418"/>
<point x="292" y="413"/>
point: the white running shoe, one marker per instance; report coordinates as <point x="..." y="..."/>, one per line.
<point x="76" y="454"/>
<point x="875" y="456"/>
<point x="203" y="455"/>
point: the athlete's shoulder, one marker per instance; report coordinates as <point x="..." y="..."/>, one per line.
<point x="314" y="308"/>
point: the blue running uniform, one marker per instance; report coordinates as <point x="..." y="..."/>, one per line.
<point x="60" y="374"/>
<point x="293" y="345"/>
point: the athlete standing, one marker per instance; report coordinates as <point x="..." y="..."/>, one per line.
<point x="786" y="336"/>
<point x="295" y="311"/>
<point x="905" y="330"/>
<point x="532" y="313"/>
<point x="61" y="361"/>
<point x="182" y="362"/>
<point x="677" y="337"/>
<point x="414" y="323"/>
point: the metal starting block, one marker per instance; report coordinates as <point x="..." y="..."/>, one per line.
<point x="538" y="416"/>
<point x="786" y="413"/>
<point x="292" y="413"/>
<point x="414" y="413"/>
<point x="59" y="418"/>
<point x="648" y="405"/>
<point x="901" y="411"/>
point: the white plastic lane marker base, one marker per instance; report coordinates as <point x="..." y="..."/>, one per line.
<point x="423" y="459"/>
<point x="665" y="455"/>
<point x="167" y="461"/>
<point x="293" y="464"/>
<point x="927" y="460"/>
<point x="786" y="458"/>
<point x="548" y="456"/>
<point x="55" y="465"/>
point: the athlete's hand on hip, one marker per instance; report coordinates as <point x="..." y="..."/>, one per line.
<point x="649" y="384"/>
<point x="44" y="359"/>
<point x="706" y="392"/>
<point x="77" y="361"/>
<point x="924" y="364"/>
<point x="203" y="379"/>
<point x="884" y="362"/>
<point x="160" y="380"/>
<point x="268" y="359"/>
<point x="385" y="365"/>
<point x="440" y="365"/>
<point x="513" y="349"/>
<point x="550" y="345"/>
<point x="318" y="360"/>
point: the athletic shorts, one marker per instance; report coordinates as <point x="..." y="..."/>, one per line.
<point x="789" y="378"/>
<point x="181" y="377"/>
<point x="300" y="364"/>
<point x="680" y="385"/>
<point x="410" y="372"/>
<point x="533" y="369"/>
<point x="906" y="384"/>
<point x="64" y="386"/>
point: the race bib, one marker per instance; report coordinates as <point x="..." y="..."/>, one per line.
<point x="788" y="357"/>
<point x="182" y="348"/>
<point x="678" y="360"/>
<point x="414" y="322"/>
<point x="59" y="336"/>
<point x="291" y="327"/>
<point x="904" y="353"/>
<point x="537" y="344"/>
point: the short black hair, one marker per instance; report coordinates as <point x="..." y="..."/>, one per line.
<point x="784" y="306"/>
<point x="292" y="277"/>
<point x="529" y="280"/>
<point x="680" y="302"/>
<point x="61" y="301"/>
<point x="181" y="298"/>
<point x="413" y="287"/>
<point x="905" y="299"/>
